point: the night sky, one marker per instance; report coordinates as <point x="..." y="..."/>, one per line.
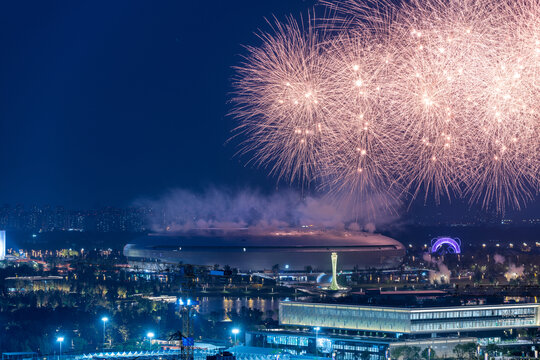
<point x="106" y="102"/>
<point x="102" y="102"/>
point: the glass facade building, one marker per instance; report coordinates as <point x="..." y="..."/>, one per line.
<point x="323" y="345"/>
<point x="409" y="320"/>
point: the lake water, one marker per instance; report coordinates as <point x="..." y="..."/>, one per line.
<point x="226" y="304"/>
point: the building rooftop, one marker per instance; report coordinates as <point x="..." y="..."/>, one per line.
<point x="414" y="299"/>
<point x="34" y="278"/>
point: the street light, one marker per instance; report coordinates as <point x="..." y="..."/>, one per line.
<point x="235" y="331"/>
<point x="105" y="320"/>
<point x="150" y="335"/>
<point x="60" y="340"/>
<point x="317" y="329"/>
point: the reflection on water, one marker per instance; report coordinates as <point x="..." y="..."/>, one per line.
<point x="224" y="304"/>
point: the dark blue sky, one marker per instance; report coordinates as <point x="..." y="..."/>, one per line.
<point x="106" y="102"/>
<point x="102" y="102"/>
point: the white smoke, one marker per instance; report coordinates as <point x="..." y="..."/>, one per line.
<point x="354" y="227"/>
<point x="514" y="272"/>
<point x="499" y="259"/>
<point x="440" y="276"/>
<point x="183" y="210"/>
<point x="369" y="227"/>
<point x="426" y="257"/>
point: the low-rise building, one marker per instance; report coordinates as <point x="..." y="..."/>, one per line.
<point x="353" y="331"/>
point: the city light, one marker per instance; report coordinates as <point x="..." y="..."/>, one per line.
<point x="60" y="340"/>
<point x="235" y="332"/>
<point x="317" y="329"/>
<point x="104" y="319"/>
<point x="390" y="127"/>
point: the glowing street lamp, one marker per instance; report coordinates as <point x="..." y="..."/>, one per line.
<point x="235" y="331"/>
<point x="60" y="340"/>
<point x="317" y="329"/>
<point x="150" y="335"/>
<point x="105" y="320"/>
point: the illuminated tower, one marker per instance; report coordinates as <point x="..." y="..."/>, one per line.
<point x="334" y="285"/>
<point x="187" y="311"/>
<point x="2" y="244"/>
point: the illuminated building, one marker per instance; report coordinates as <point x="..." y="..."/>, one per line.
<point x="363" y="331"/>
<point x="334" y="285"/>
<point x="410" y="320"/>
<point x="291" y="250"/>
<point x="343" y="346"/>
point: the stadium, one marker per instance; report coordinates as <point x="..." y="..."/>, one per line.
<point x="249" y="250"/>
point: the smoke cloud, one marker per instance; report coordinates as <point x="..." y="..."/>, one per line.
<point x="514" y="272"/>
<point x="499" y="259"/>
<point x="183" y="210"/>
<point x="440" y="276"/>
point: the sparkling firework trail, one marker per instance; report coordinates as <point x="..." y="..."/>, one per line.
<point x="422" y="97"/>
<point x="280" y="99"/>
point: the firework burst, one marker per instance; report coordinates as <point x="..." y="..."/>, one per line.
<point x="430" y="97"/>
<point x="281" y="95"/>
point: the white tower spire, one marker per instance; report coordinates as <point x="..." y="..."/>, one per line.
<point x="334" y="285"/>
<point x="2" y="244"/>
